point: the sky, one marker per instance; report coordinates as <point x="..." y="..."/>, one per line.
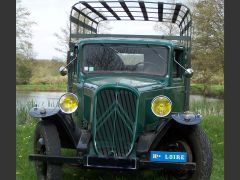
<point x="52" y="15"/>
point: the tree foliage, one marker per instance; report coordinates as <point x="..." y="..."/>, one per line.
<point x="23" y="31"/>
<point x="46" y="72"/>
<point x="208" y="40"/>
<point x="63" y="39"/>
<point x="24" y="47"/>
<point x="64" y="36"/>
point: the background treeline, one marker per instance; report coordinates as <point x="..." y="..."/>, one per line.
<point x="28" y="69"/>
<point x="38" y="71"/>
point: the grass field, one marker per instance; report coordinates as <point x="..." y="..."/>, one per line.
<point x="212" y="124"/>
<point x="42" y="87"/>
<point x="212" y="90"/>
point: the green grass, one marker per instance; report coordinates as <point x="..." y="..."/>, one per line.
<point x="42" y="87"/>
<point x="213" y="126"/>
<point x="24" y="142"/>
<point x="212" y="90"/>
<point x="208" y="108"/>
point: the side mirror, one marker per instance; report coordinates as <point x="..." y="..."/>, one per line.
<point x="63" y="70"/>
<point x="188" y="73"/>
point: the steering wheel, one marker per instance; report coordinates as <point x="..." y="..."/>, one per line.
<point x="145" y="63"/>
<point x="152" y="64"/>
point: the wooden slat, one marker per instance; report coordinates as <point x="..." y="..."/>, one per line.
<point x="86" y="26"/>
<point x="110" y="10"/>
<point x="124" y="6"/>
<point x="185" y="15"/>
<point x="80" y="12"/>
<point x="186" y="27"/>
<point x="176" y="12"/>
<point x="93" y="10"/>
<point x="144" y="11"/>
<point x="160" y="11"/>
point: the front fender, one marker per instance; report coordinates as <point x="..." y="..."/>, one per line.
<point x="68" y="132"/>
<point x="149" y="140"/>
<point x="42" y="112"/>
<point x="187" y="118"/>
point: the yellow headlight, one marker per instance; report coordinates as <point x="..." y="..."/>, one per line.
<point x="161" y="106"/>
<point x="68" y="103"/>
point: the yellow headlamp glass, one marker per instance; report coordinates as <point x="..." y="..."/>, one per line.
<point x="161" y="106"/>
<point x="68" y="103"/>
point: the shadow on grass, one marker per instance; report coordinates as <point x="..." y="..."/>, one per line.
<point x="76" y="173"/>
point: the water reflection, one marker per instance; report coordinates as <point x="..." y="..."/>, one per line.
<point x="202" y="98"/>
<point x="51" y="98"/>
<point x="38" y="98"/>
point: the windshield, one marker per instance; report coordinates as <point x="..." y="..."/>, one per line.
<point x="143" y="59"/>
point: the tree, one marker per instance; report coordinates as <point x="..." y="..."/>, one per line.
<point x="63" y="40"/>
<point x="24" y="47"/>
<point x="64" y="36"/>
<point x="208" y="40"/>
<point x="23" y="31"/>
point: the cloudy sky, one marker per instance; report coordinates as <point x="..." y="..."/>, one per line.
<point x="51" y="15"/>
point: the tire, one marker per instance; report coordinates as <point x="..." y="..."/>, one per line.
<point x="202" y="153"/>
<point x="46" y="141"/>
<point x="198" y="148"/>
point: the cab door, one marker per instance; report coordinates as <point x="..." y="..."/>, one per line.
<point x="77" y="86"/>
<point x="178" y="88"/>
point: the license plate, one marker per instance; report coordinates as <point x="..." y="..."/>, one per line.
<point x="164" y="156"/>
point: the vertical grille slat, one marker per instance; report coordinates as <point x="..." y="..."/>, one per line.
<point x="114" y="134"/>
<point x="106" y="149"/>
<point x="99" y="113"/>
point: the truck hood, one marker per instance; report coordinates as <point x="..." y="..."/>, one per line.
<point x="136" y="82"/>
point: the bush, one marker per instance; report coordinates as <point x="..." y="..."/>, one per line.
<point x="23" y="70"/>
<point x="46" y="72"/>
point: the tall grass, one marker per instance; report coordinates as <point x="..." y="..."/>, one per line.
<point x="22" y="111"/>
<point x="208" y="108"/>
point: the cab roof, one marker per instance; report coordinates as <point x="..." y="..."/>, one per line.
<point x="122" y="40"/>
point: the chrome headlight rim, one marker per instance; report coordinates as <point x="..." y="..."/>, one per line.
<point x="65" y="94"/>
<point x="154" y="99"/>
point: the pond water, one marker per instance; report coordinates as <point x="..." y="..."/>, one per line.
<point x="51" y="98"/>
<point x="39" y="98"/>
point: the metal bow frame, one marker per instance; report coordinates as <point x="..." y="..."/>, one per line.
<point x="86" y="16"/>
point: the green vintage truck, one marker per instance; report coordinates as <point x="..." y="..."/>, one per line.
<point x="127" y="103"/>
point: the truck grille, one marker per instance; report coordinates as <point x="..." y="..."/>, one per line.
<point x="115" y="122"/>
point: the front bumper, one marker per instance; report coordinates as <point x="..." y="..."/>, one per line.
<point x="112" y="163"/>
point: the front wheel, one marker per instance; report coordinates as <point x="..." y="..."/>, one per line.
<point x="193" y="140"/>
<point x="47" y="142"/>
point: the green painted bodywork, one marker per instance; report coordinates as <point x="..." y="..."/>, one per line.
<point x="86" y="86"/>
